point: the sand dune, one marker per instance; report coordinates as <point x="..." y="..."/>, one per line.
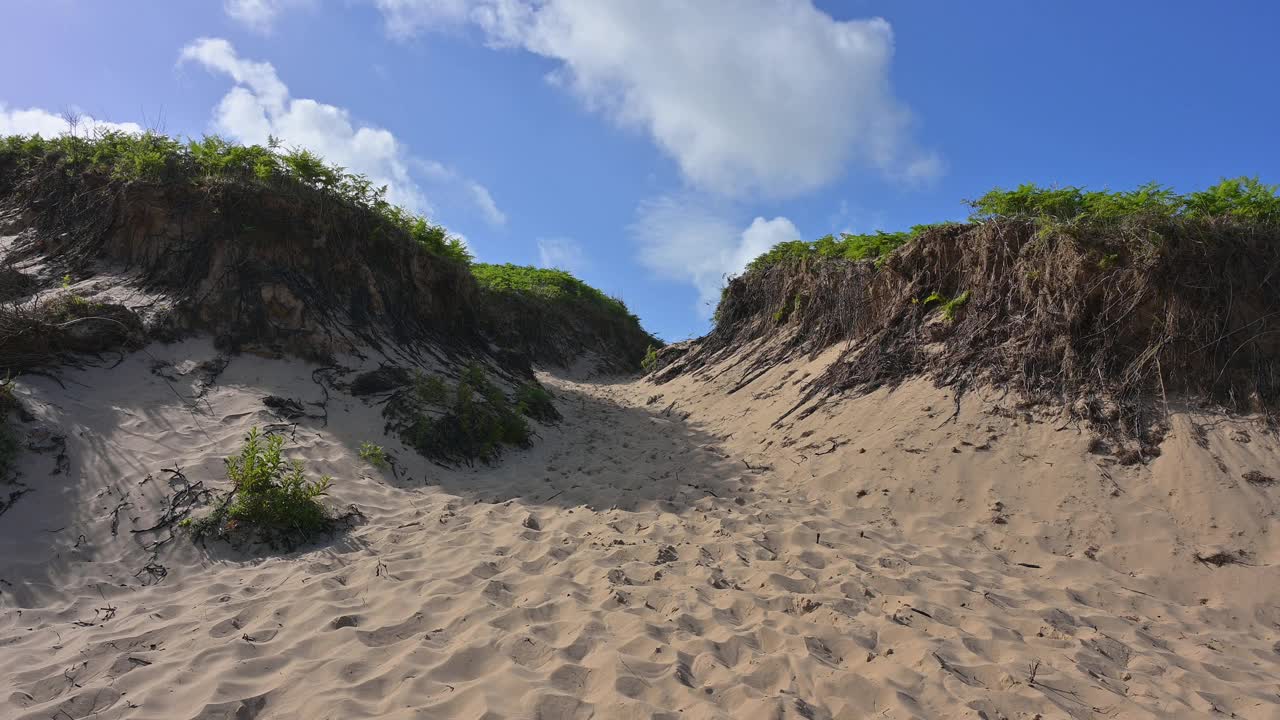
<point x="662" y="553"/>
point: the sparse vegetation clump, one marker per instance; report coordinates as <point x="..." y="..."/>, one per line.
<point x="472" y="420"/>
<point x="8" y="437"/>
<point x="650" y="360"/>
<point x="271" y="499"/>
<point x="552" y="316"/>
<point x="374" y="454"/>
<point x="534" y="401"/>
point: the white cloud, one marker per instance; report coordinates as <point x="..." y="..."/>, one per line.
<point x="36" y="121"/>
<point x="257" y="15"/>
<point x="259" y="106"/>
<point x="773" y="96"/>
<point x="680" y="239"/>
<point x="561" y="253"/>
<point x="483" y="200"/>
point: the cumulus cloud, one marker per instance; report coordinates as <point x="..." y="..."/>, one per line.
<point x="259" y="106"/>
<point x="484" y="201"/>
<point x="561" y="253"/>
<point x="258" y="15"/>
<point x="771" y="96"/>
<point x="37" y="121"/>
<point x="681" y="239"/>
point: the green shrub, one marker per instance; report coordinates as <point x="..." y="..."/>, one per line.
<point x="534" y="401"/>
<point x="9" y="445"/>
<point x="269" y="496"/>
<point x="430" y="389"/>
<point x="547" y="284"/>
<point x="375" y="455"/>
<point x="476" y="422"/>
<point x="650" y="359"/>
<point x="876" y="246"/>
<point x="1241" y="197"/>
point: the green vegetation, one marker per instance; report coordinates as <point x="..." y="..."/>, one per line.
<point x="650" y="359"/>
<point x="375" y="455"/>
<point x="556" y="286"/>
<point x="551" y="316"/>
<point x="8" y="438"/>
<point x="430" y="389"/>
<point x="270" y="496"/>
<point x="151" y="157"/>
<point x="473" y="420"/>
<point x="534" y="401"/>
<point x="848" y="246"/>
<point x="950" y="307"/>
<point x="1241" y="198"/>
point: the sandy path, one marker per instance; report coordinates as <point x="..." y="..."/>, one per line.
<point x="635" y="563"/>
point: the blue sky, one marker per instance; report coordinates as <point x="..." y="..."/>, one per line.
<point x="654" y="147"/>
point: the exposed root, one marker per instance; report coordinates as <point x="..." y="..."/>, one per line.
<point x="1104" y="320"/>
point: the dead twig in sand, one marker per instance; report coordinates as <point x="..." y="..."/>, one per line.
<point x="178" y="506"/>
<point x="965" y="678"/>
<point x="766" y="547"/>
<point x="381" y="570"/>
<point x="1225" y="557"/>
<point x="115" y="516"/>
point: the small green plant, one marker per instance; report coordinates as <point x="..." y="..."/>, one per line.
<point x="950" y="307"/>
<point x="66" y="282"/>
<point x="1108" y="261"/>
<point x="270" y="496"/>
<point x="650" y="360"/>
<point x="375" y="455"/>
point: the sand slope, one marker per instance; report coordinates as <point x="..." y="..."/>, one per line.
<point x="662" y="553"/>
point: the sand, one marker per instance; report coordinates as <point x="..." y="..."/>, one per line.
<point x="665" y="552"/>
